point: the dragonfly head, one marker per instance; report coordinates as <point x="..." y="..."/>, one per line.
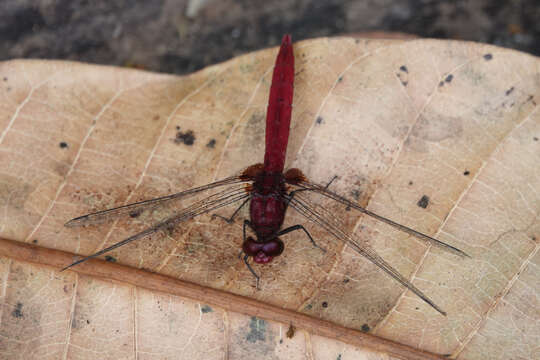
<point x="263" y="252"/>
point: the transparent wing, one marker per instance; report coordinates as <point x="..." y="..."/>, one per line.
<point x="137" y="208"/>
<point x="335" y="227"/>
<point x="316" y="188"/>
<point x="215" y="201"/>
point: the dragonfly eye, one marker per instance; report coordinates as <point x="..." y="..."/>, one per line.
<point x="251" y="247"/>
<point x="263" y="253"/>
<point x="274" y="247"/>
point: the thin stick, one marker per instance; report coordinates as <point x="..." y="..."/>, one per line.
<point x="235" y="303"/>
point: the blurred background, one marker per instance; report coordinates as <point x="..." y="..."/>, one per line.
<point x="182" y="36"/>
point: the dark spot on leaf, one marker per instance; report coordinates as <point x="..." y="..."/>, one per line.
<point x="365" y="328"/>
<point x="257" y="330"/>
<point x="290" y="331"/>
<point x="185" y="137"/>
<point x="206" y="309"/>
<point x="466" y="172"/>
<point x="17" y="312"/>
<point x="404" y="69"/>
<point x="449" y="78"/>
<point x="509" y="91"/>
<point x="319" y="119"/>
<point x="356" y="194"/>
<point x="488" y="57"/>
<point x="110" y="258"/>
<point x="63" y="145"/>
<point x="324" y="304"/>
<point x="423" y="202"/>
<point x="211" y="144"/>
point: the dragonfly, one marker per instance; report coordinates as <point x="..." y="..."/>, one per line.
<point x="270" y="191"/>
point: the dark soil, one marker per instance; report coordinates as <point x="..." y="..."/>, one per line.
<point x="177" y="37"/>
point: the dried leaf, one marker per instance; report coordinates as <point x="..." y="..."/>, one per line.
<point x="440" y="136"/>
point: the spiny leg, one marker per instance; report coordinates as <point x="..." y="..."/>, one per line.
<point x="231" y="218"/>
<point x="252" y="271"/>
<point x="300" y="227"/>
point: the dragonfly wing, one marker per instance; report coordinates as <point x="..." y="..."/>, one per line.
<point x="210" y="203"/>
<point x="322" y="190"/>
<point x="137" y="208"/>
<point x="335" y="227"/>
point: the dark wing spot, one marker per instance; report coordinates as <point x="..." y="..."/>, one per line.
<point x="211" y="144"/>
<point x="509" y="91"/>
<point x="466" y="172"/>
<point x="63" y="145"/>
<point x="319" y="119"/>
<point x="488" y="57"/>
<point x="35" y="241"/>
<point x="423" y="202"/>
<point x="325" y="304"/>
<point x="535" y="138"/>
<point x="449" y="78"/>
<point x="365" y="328"/>
<point x="110" y="258"/>
<point x="404" y="69"/>
<point x="340" y="79"/>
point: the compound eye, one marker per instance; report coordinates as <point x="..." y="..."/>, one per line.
<point x="251" y="247"/>
<point x="274" y="247"/>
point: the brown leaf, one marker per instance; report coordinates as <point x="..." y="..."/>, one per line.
<point x="440" y="136"/>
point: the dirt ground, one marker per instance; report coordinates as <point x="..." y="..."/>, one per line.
<point x="181" y="36"/>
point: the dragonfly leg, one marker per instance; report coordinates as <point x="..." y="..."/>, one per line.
<point x="252" y="271"/>
<point x="331" y="181"/>
<point x="230" y="219"/>
<point x="300" y="227"/>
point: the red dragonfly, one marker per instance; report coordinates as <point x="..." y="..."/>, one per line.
<point x="270" y="192"/>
